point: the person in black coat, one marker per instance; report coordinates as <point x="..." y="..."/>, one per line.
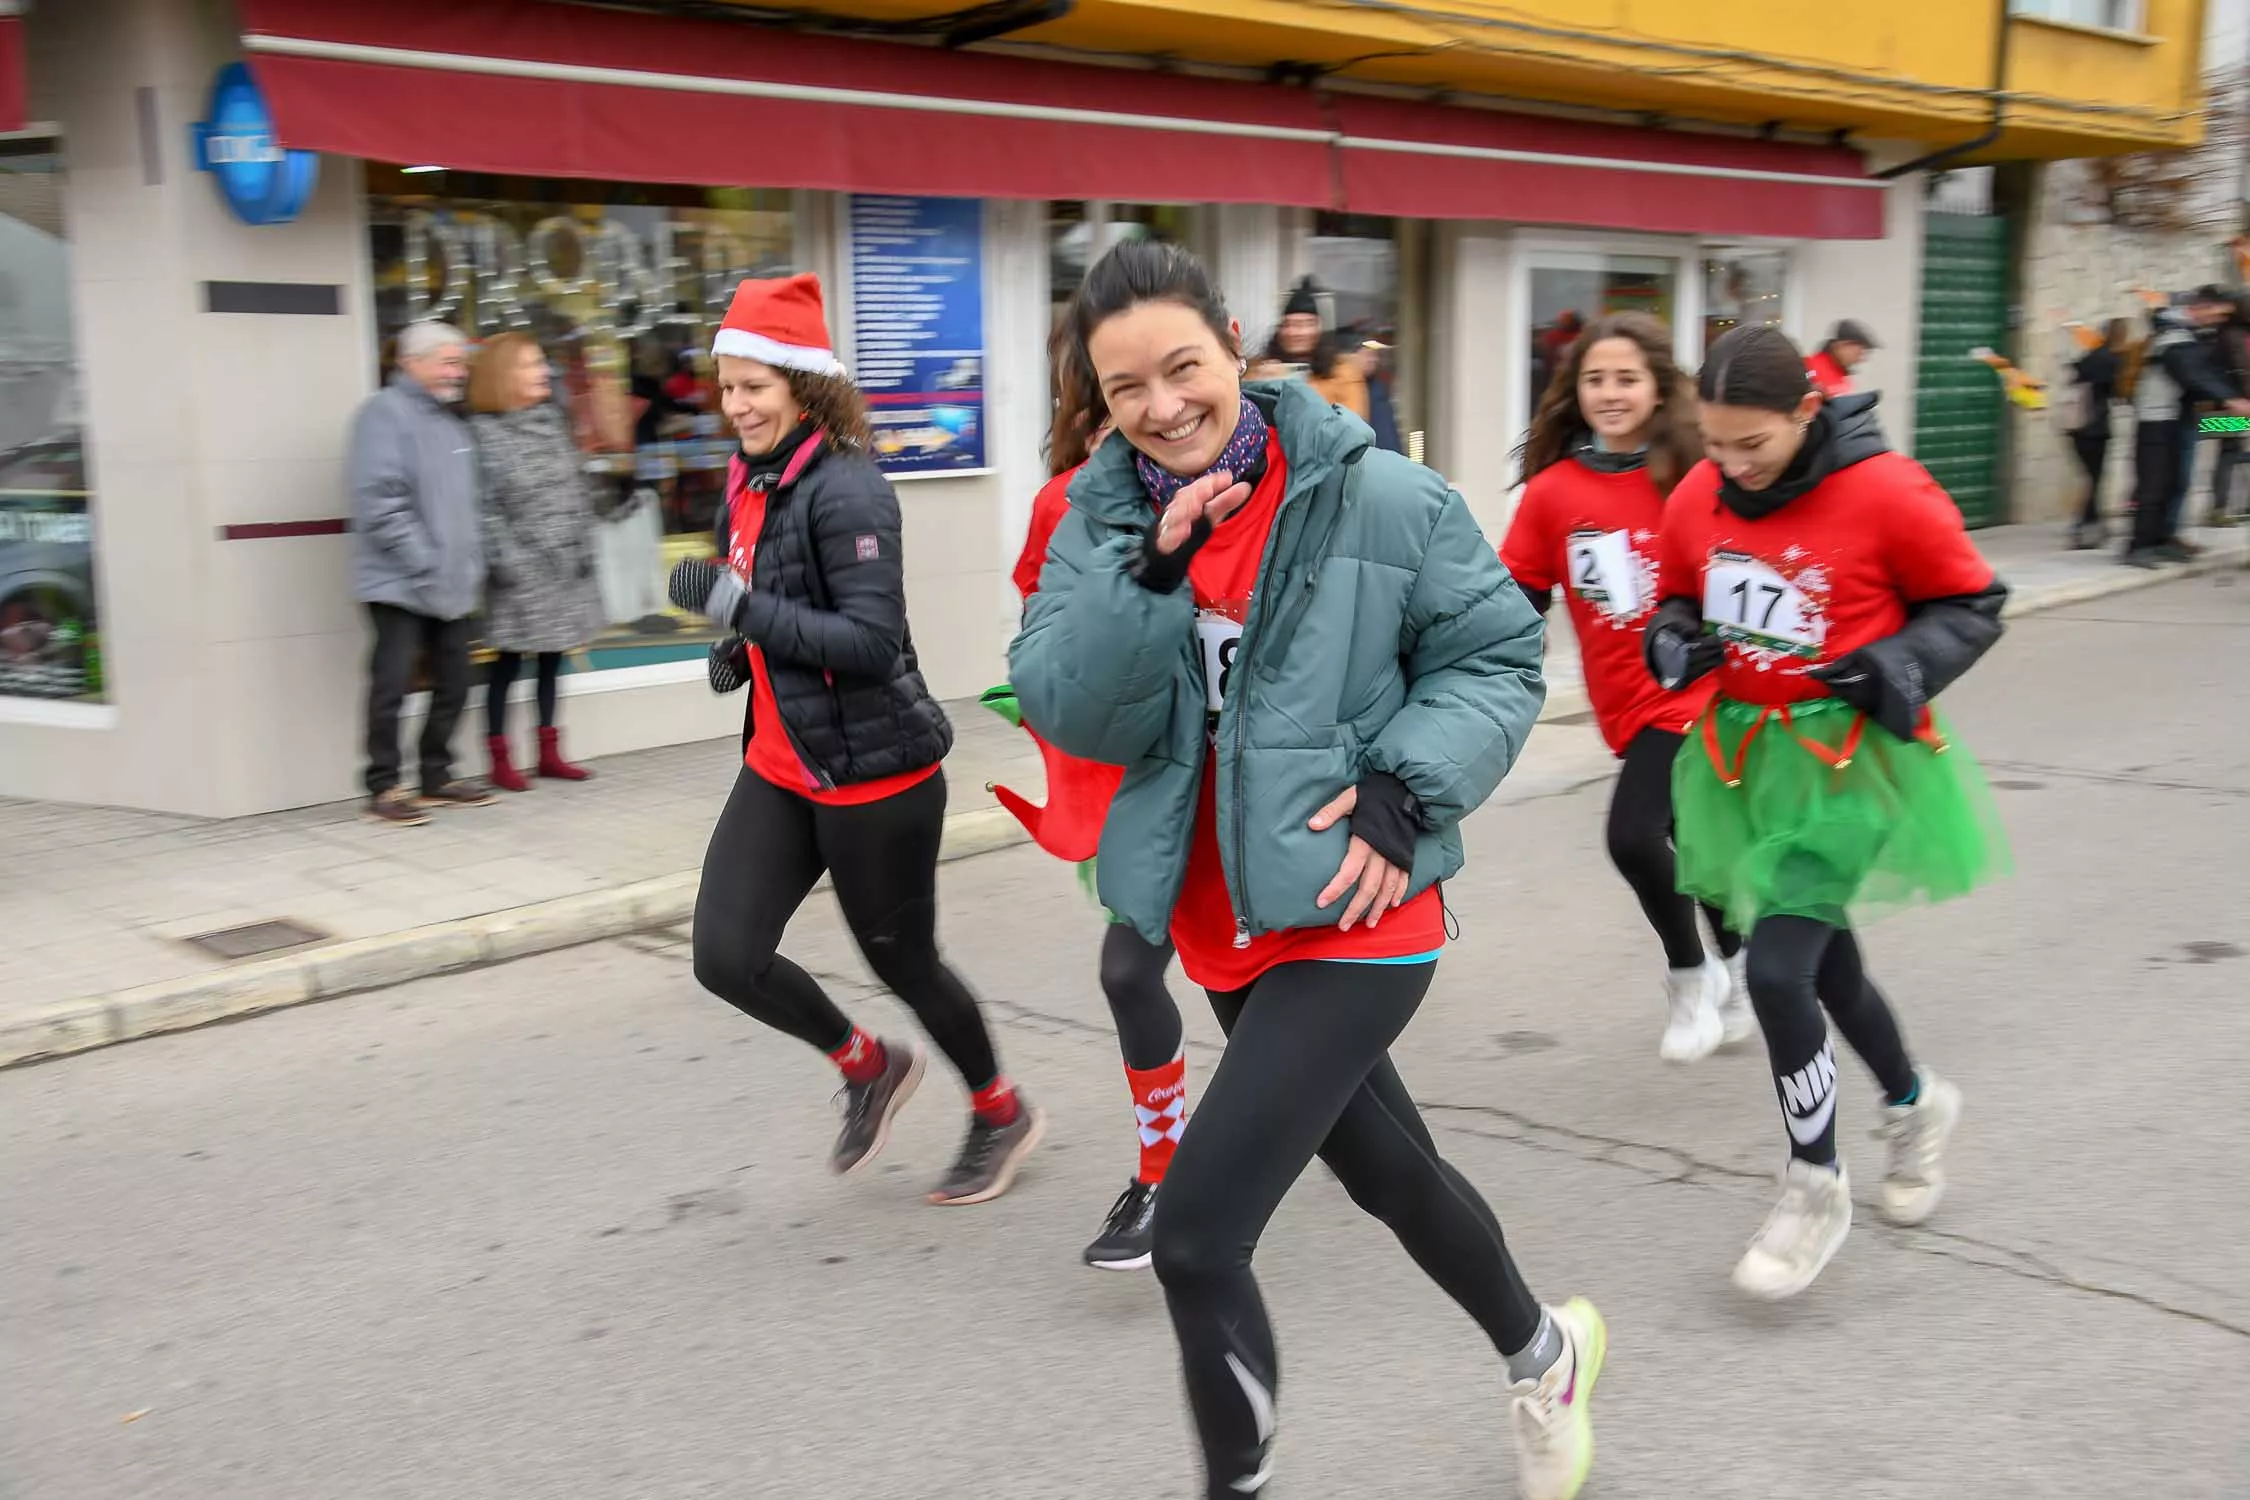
<point x="842" y="747"/>
<point x="2096" y="374"/>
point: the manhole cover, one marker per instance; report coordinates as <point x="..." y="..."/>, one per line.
<point x="257" y="938"/>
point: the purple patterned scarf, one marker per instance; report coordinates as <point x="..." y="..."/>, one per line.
<point x="1244" y="457"/>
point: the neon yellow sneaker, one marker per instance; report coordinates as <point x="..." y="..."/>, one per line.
<point x="1553" y="1417"/>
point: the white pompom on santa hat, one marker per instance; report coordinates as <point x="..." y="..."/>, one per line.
<point x="779" y="321"/>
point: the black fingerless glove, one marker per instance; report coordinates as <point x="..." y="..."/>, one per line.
<point x="1387" y="818"/>
<point x="729" y="665"/>
<point x="1162" y="572"/>
<point x="1677" y="650"/>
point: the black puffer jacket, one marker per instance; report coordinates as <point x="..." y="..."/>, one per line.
<point x="827" y="603"/>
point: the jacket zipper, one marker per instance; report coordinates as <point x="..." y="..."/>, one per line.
<point x="764" y="485"/>
<point x="1237" y="887"/>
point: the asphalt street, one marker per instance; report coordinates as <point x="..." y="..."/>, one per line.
<point x="562" y="1228"/>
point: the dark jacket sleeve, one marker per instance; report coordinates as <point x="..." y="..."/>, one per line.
<point x="1538" y="599"/>
<point x="1892" y="680"/>
<point x="853" y="524"/>
<point x="2191" y="362"/>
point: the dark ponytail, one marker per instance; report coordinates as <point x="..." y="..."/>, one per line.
<point x="1133" y="272"/>
<point x="1757" y="366"/>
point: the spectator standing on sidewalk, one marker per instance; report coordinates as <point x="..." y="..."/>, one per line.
<point x="540" y="596"/>
<point x="417" y="564"/>
<point x="2234" y="352"/>
<point x="2095" y="376"/>
<point x="1830" y="366"/>
<point x="2178" y="373"/>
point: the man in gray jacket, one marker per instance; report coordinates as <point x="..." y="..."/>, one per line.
<point x="417" y="564"/>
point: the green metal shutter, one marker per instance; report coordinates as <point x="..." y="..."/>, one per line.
<point x="1958" y="406"/>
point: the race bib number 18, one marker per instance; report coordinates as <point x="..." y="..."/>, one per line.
<point x="1751" y="604"/>
<point x="1220" y="638"/>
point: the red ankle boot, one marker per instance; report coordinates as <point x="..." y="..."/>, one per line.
<point x="551" y="762"/>
<point x="504" y="773"/>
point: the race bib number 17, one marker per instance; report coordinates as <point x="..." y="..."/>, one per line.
<point x="1752" y="605"/>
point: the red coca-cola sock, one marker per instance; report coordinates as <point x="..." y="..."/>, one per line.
<point x="861" y="1057"/>
<point x="1160" y="1110"/>
<point x="995" y="1103"/>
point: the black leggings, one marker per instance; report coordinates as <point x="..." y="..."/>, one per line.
<point x="1148" y="1022"/>
<point x="1640" y="845"/>
<point x="2092" y="446"/>
<point x="1307" y="1072"/>
<point x="881" y="857"/>
<point x="501" y="676"/>
<point x="1798" y="967"/>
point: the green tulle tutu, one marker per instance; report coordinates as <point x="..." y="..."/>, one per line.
<point x="1819" y="813"/>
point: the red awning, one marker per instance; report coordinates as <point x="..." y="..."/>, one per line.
<point x="538" y="89"/>
<point x="14" y="104"/>
<point x="522" y="87"/>
<point x="1432" y="161"/>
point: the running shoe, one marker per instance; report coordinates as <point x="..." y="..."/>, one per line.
<point x="1738" y="1018"/>
<point x="868" y="1108"/>
<point x="1553" y="1417"/>
<point x="1802" y="1235"/>
<point x="990" y="1157"/>
<point x="461" y="791"/>
<point x="1128" y="1237"/>
<point x="1693" y="996"/>
<point x="1914" y="1178"/>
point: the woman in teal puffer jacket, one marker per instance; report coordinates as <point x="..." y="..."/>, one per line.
<point x="1311" y="665"/>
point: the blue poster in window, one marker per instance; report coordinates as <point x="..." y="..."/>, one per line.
<point x="918" y="330"/>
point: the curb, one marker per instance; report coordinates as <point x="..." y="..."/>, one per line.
<point x="358" y="966"/>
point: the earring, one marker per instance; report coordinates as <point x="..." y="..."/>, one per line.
<point x="1804" y="426"/>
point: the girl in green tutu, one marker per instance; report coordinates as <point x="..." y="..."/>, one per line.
<point x="1828" y="582"/>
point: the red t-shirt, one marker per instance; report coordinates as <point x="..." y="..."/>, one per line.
<point x="770" y="752"/>
<point x="1823" y="576"/>
<point x="1595" y="534"/>
<point x="1047" y="511"/>
<point x="1222" y="575"/>
<point x="1828" y="377"/>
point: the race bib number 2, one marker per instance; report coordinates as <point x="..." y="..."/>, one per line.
<point x="1751" y="604"/>
<point x="1219" y="638"/>
<point x="1605" y="572"/>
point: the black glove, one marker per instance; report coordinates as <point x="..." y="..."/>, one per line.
<point x="1387" y="818"/>
<point x="1677" y="649"/>
<point x="1859" y="680"/>
<point x="712" y="591"/>
<point x="1893" y="680"/>
<point x="729" y="665"/>
<point x="1162" y="572"/>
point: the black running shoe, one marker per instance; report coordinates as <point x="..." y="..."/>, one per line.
<point x="1128" y="1236"/>
<point x="990" y="1156"/>
<point x="869" y="1108"/>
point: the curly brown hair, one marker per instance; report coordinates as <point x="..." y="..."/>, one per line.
<point x="833" y="403"/>
<point x="1674" y="445"/>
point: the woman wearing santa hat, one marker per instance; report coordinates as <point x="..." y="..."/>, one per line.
<point x="841" y="765"/>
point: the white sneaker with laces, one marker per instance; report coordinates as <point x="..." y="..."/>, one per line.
<point x="1801" y="1236"/>
<point x="1738" y="1018"/>
<point x="1553" y="1415"/>
<point x="1692" y="997"/>
<point x="1914" y="1178"/>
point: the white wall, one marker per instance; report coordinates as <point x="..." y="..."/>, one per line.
<point x="1878" y="282"/>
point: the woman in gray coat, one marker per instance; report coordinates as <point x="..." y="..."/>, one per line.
<point x="540" y="595"/>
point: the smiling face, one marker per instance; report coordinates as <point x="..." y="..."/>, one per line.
<point x="758" y="403"/>
<point x="1173" y="388"/>
<point x="1752" y="445"/>
<point x="1617" y="393"/>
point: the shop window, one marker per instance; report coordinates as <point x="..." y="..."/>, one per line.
<point x="1570" y="290"/>
<point x="50" y="637"/>
<point x="1371" y="273"/>
<point x="623" y="287"/>
<point x="1742" y="286"/>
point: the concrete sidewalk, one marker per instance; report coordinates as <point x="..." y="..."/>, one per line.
<point x="99" y="906"/>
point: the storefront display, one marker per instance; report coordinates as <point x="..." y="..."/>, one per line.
<point x="1742" y="286"/>
<point x="50" y="638"/>
<point x="1571" y="289"/>
<point x="622" y="287"/>
<point x="917" y="276"/>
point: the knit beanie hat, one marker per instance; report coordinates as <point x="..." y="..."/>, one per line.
<point x="779" y="321"/>
<point x="1303" y="300"/>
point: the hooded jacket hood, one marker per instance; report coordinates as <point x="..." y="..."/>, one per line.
<point x="1843" y="432"/>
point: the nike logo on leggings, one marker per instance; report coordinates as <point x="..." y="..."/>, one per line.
<point x="1261" y="1412"/>
<point x="1808" y="1096"/>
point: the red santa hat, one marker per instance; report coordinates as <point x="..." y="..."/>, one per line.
<point x="779" y="321"/>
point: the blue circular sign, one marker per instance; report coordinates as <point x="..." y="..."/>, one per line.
<point x="262" y="182"/>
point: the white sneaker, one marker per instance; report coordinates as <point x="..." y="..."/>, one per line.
<point x="1801" y="1235"/>
<point x="1553" y="1418"/>
<point x="1914" y="1179"/>
<point x="1693" y="996"/>
<point x="1738" y="1018"/>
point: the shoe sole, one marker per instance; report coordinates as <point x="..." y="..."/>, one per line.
<point x="915" y="1066"/>
<point x="1006" y="1178"/>
<point x="1937" y="1191"/>
<point x="1593" y="1353"/>
<point x="1792" y="1289"/>
<point x="1139" y="1262"/>
<point x="440" y="804"/>
<point x="382" y="821"/>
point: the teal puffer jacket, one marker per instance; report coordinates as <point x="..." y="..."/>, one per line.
<point x="1383" y="635"/>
